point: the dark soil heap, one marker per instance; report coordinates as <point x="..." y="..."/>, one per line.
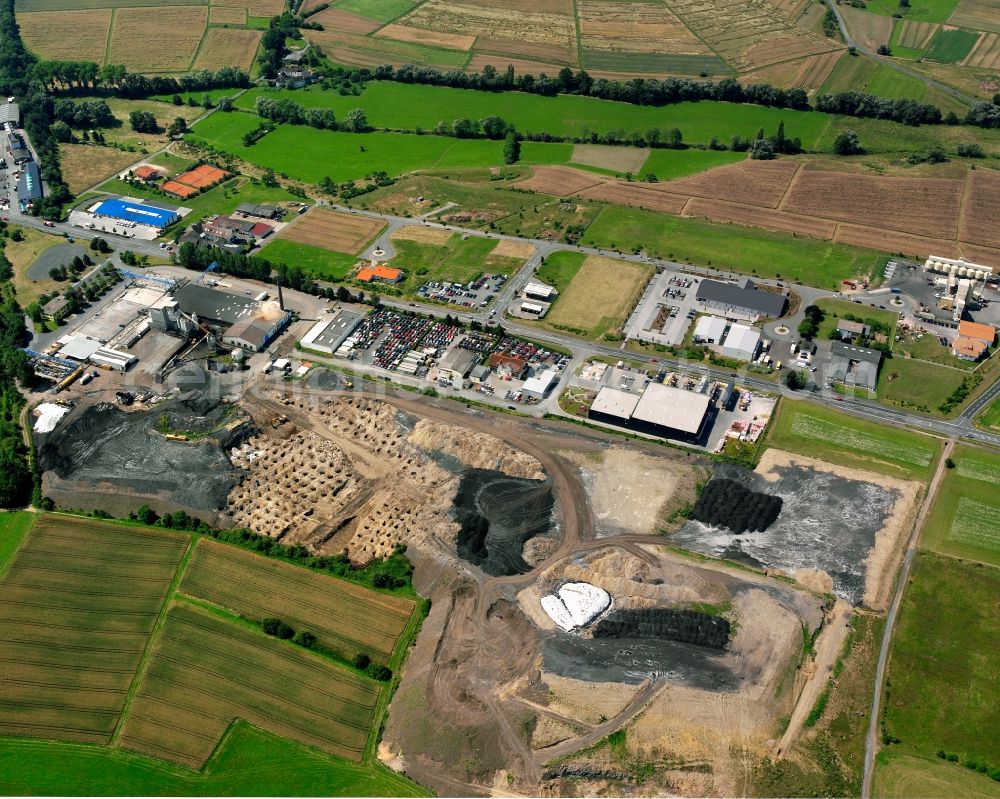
<point x="727" y="503"/>
<point x="686" y="626"/>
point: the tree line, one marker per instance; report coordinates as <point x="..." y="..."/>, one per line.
<point x="15" y="473"/>
<point x="114" y="79"/>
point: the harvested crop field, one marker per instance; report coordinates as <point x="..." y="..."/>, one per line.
<point x="521" y="66"/>
<point x="752" y="182"/>
<point x="404" y="33"/>
<point x="986" y="53"/>
<point x="755" y="216"/>
<point x="749" y="35"/>
<point x="530" y="52"/>
<point x="600" y="296"/>
<point x="335" y="19"/>
<point x="889" y="241"/>
<point x="177" y="32"/>
<point x="559" y="181"/>
<point x="228" y="47"/>
<point x="977" y="14"/>
<point x="634" y="28"/>
<point x="331" y="230"/>
<point x="617" y="159"/>
<point x="924" y="207"/>
<point x="348" y="619"/>
<point x="808" y="73"/>
<point x="916" y="34"/>
<point x="520" y="250"/>
<point x="76" y="609"/>
<point x="980" y="222"/>
<point x="84" y="165"/>
<point x="227" y="15"/>
<point x="425" y="235"/>
<point x="633" y="194"/>
<point x="871" y="30"/>
<point x="206" y="672"/>
<point x="67" y="35"/>
<point x="264" y="8"/>
<point x="494" y="23"/>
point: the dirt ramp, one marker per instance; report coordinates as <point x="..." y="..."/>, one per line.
<point x="475" y="450"/>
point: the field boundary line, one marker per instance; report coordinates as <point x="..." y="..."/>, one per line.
<point x="788" y="189"/>
<point x="201" y="42"/>
<point x="111" y="28"/>
<point x="902" y="579"/>
<point x="963" y="205"/>
<point x="579" y="40"/>
<point x="152" y="638"/>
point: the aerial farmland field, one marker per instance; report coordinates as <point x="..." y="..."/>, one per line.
<point x="811" y="429"/>
<point x="103" y="646"/>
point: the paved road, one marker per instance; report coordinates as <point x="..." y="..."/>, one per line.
<point x="871" y="743"/>
<point x="892" y="63"/>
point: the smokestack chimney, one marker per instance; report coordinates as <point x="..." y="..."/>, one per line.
<point x="281" y="298"/>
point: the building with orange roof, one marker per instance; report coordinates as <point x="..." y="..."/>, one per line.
<point x="968" y="348"/>
<point x="379" y="274"/>
<point x="147" y="172"/>
<point x="979" y="331"/>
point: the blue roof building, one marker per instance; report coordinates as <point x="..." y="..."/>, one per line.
<point x="139" y="213"/>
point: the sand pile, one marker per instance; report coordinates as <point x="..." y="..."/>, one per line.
<point x="475" y="450"/>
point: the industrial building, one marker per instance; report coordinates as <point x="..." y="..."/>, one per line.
<point x="740" y="300"/>
<point x="958" y="267"/>
<point x="327" y="335"/>
<point x="259" y="329"/>
<point x="17" y="149"/>
<point x="456" y="364"/>
<point x="29" y="186"/>
<point x="660" y="410"/>
<point x="88" y="350"/>
<point x="137" y="213"/>
<point x="260" y="211"/>
<point x="973" y="341"/>
<point x="539" y="291"/>
<point x="853" y="366"/>
<point x="742" y="342"/>
<point x="540" y="384"/>
<point x="247" y="323"/>
<point x="10" y="114"/>
<point x="709" y="330"/>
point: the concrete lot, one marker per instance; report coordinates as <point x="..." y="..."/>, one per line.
<point x="666" y="309"/>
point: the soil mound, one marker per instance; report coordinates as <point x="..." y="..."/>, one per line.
<point x="686" y="626"/>
<point x="497" y="514"/>
<point x="727" y="503"/>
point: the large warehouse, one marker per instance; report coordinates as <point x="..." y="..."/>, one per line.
<point x="138" y="213"/>
<point x="660" y="410"/>
<point x="740" y="300"/>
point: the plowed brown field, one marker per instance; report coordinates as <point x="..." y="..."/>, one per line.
<point x="753" y="182"/>
<point x="404" y="33"/>
<point x="332" y="230"/>
<point x="559" y="181"/>
<point x="891" y="241"/>
<point x="527" y="51"/>
<point x="981" y="214"/>
<point x="335" y="19"/>
<point x="634" y="195"/>
<point x="921" y="206"/>
<point x="768" y="218"/>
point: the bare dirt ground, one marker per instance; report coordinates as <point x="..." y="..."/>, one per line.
<point x="883" y="559"/>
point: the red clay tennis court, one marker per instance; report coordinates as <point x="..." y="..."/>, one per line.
<point x="201" y="176"/>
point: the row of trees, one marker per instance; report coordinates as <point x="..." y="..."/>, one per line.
<point x="652" y="91"/>
<point x="15" y="475"/>
<point x="88" y="76"/>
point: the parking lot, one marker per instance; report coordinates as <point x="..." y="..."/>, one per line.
<point x="475" y="294"/>
<point x="666" y="309"/>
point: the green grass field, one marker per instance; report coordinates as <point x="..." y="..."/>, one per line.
<point x="408" y="106"/>
<point x="320" y="263"/>
<point x="456" y="261"/>
<point x="560" y="268"/>
<point x="951" y="46"/>
<point x="310" y="155"/>
<point x="929" y="348"/>
<point x="920" y="385"/>
<point x="827" y="434"/>
<point x="838" y="309"/>
<point x="378" y="10"/>
<point x="902" y="776"/>
<point x="14" y="526"/>
<point x="990" y="418"/>
<point x="249" y="762"/>
<point x="878" y="136"/>
<point x="887" y="82"/>
<point x="673" y="64"/>
<point x="943" y="662"/>
<point x="670" y="164"/>
<point x="964" y="520"/>
<point x="758" y="252"/>
<point x="920" y="10"/>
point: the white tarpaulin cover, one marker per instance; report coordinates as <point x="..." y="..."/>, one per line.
<point x="576" y="604"/>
